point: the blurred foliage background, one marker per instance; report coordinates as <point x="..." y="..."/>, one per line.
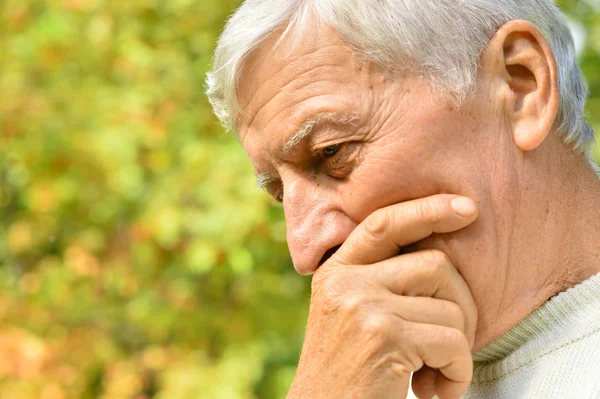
<point x="137" y="258"/>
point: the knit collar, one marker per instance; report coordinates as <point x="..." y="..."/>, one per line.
<point x="567" y="316"/>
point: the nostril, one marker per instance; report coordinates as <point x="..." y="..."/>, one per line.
<point x="328" y="254"/>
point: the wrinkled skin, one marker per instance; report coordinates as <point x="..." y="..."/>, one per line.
<point x="395" y="138"/>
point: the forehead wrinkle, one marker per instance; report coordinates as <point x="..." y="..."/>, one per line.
<point x="289" y="64"/>
<point x="258" y="56"/>
<point x="284" y="85"/>
<point x="310" y="96"/>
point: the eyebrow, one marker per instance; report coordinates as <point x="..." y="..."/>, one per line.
<point x="308" y="126"/>
<point x="263" y="180"/>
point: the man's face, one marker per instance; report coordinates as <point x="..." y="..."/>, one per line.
<point x="377" y="139"/>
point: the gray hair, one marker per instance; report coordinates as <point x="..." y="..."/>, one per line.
<point x="444" y="37"/>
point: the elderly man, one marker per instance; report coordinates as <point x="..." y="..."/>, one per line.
<point x="431" y="158"/>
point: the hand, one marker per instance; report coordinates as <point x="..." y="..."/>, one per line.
<point x="376" y="317"/>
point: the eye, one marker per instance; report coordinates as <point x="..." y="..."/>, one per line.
<point x="338" y="160"/>
<point x="279" y="196"/>
<point x="331" y="150"/>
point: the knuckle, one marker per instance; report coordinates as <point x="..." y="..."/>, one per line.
<point x="377" y="327"/>
<point x="353" y="304"/>
<point x="377" y="224"/>
<point x="438" y="261"/>
<point x="455" y="338"/>
<point x="455" y="313"/>
<point x="402" y="364"/>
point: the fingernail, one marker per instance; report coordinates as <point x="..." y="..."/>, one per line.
<point x="464" y="206"/>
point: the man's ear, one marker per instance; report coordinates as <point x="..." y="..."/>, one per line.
<point x="520" y="59"/>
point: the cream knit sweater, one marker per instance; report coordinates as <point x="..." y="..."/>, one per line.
<point x="553" y="353"/>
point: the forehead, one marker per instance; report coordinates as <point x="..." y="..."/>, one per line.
<point x="282" y="65"/>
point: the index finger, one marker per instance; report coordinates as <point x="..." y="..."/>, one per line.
<point x="383" y="233"/>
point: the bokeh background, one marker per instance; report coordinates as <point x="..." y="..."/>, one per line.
<point x="137" y="258"/>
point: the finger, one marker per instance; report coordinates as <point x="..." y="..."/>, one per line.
<point x="423" y="382"/>
<point x="427" y="382"/>
<point x="426" y="274"/>
<point x="428" y="311"/>
<point x="447" y="350"/>
<point x="445" y="388"/>
<point x="386" y="230"/>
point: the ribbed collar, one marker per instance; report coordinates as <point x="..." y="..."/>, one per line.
<point x="563" y="319"/>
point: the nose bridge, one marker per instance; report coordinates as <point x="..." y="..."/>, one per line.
<point x="314" y="223"/>
<point x="302" y="207"/>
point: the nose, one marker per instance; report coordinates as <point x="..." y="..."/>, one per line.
<point x="316" y="227"/>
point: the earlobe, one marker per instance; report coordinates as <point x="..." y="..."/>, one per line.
<point x="527" y="68"/>
<point x="528" y="134"/>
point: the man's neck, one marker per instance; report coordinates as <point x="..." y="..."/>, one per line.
<point x="553" y="241"/>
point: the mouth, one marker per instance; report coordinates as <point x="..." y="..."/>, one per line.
<point x="328" y="254"/>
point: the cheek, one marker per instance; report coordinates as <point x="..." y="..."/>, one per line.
<point x="426" y="158"/>
<point x="385" y="178"/>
